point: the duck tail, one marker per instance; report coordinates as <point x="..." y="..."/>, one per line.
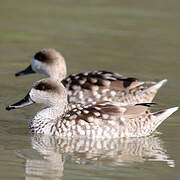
<point x="160" y="116"/>
<point x="151" y="91"/>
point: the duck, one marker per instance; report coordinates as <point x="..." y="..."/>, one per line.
<point x="92" y="86"/>
<point x="96" y="120"/>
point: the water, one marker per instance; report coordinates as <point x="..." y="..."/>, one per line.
<point x="134" y="38"/>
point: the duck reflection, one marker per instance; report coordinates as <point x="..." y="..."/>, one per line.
<point x="101" y="152"/>
<point x="50" y="165"/>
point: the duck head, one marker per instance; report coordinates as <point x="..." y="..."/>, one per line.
<point x="46" y="91"/>
<point x="47" y="61"/>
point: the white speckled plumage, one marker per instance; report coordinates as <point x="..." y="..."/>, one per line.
<point x="92" y="86"/>
<point x="98" y="120"/>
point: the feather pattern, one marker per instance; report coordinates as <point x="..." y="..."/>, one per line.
<point x="95" y="120"/>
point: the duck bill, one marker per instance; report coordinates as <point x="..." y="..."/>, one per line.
<point x="28" y="70"/>
<point x="22" y="103"/>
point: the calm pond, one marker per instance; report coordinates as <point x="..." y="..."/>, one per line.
<point x="134" y="38"/>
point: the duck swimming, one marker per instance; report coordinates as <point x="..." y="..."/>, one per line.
<point x="92" y="86"/>
<point x="96" y="120"/>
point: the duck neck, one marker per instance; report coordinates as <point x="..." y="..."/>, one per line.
<point x="59" y="76"/>
<point x="58" y="71"/>
<point x="45" y="119"/>
<point x="53" y="112"/>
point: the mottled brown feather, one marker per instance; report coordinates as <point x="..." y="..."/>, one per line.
<point x="102" y="79"/>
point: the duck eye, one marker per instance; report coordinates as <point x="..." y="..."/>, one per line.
<point x="40" y="56"/>
<point x="43" y="87"/>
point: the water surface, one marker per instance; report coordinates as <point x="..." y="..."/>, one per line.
<point x="134" y="38"/>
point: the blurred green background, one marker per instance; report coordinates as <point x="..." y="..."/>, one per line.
<point x="134" y="38"/>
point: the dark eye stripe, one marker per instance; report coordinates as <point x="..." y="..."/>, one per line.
<point x="44" y="86"/>
<point x="40" y="56"/>
<point x="44" y="56"/>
